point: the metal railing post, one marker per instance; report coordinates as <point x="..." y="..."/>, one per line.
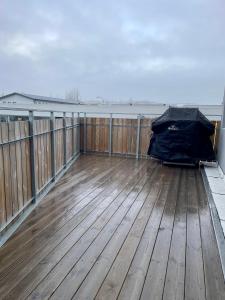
<point x="32" y="156"/>
<point x="73" y="133"/>
<point x="138" y="136"/>
<point x="78" y="132"/>
<point x="85" y="133"/>
<point x="110" y="135"/>
<point x="64" y="139"/>
<point x="52" y="129"/>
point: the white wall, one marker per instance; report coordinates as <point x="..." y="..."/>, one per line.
<point x="16" y="99"/>
<point x="221" y="149"/>
<point x="213" y="112"/>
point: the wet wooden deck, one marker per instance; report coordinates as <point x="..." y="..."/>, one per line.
<point x="116" y="228"/>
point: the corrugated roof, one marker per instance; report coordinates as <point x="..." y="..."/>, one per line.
<point x="41" y="98"/>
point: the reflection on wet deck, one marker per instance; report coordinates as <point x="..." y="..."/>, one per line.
<point x="116" y="228"/>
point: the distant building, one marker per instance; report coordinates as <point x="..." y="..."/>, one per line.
<point x="21" y="98"/>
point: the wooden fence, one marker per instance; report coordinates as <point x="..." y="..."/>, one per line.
<point x="15" y="160"/>
<point x="124" y="139"/>
<point x="124" y="136"/>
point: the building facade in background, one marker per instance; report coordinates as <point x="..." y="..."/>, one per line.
<point x="20" y="98"/>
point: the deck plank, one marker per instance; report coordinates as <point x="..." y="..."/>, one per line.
<point x="121" y="260"/>
<point x="116" y="228"/>
<point x="49" y="215"/>
<point x="194" y="276"/>
<point x="154" y="281"/>
<point x="85" y="256"/>
<point x="175" y="276"/>
<point x="114" y="251"/>
<point x="47" y="240"/>
<point x="134" y="281"/>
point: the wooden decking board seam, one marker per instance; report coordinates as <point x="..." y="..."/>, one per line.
<point x="68" y="212"/>
<point x="180" y="206"/>
<point x="71" y="208"/>
<point x="144" y="284"/>
<point x="130" y="271"/>
<point x="172" y="228"/>
<point x="74" y="216"/>
<point x="77" y="225"/>
<point x="96" y="221"/>
<point x="114" y="239"/>
<point x="133" y="201"/>
<point x="175" y="212"/>
<point x="81" y="194"/>
<point x="87" y="176"/>
<point x="194" y="282"/>
<point x="109" y="239"/>
<point x="51" y="195"/>
<point x="153" y="174"/>
<point x="79" y="166"/>
<point x="22" y="226"/>
<point x="153" y="246"/>
<point x="125" y="241"/>
<point x="100" y="177"/>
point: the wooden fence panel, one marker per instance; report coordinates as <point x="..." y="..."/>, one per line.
<point x="7" y="171"/>
<point x="97" y="135"/>
<point x="25" y="161"/>
<point x="26" y="171"/>
<point x="12" y="150"/>
<point x="145" y="136"/>
<point x="69" y="134"/>
<point x="124" y="136"/>
<point x="19" y="166"/>
<point x="15" y="183"/>
<point x="59" y="149"/>
<point x="42" y="147"/>
<point x="81" y="134"/>
<point x="116" y="136"/>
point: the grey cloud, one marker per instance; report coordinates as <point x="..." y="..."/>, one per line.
<point x="167" y="51"/>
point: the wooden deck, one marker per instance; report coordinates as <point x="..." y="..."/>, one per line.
<point x="116" y="228"/>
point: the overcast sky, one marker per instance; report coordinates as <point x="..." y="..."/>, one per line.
<point x="161" y="50"/>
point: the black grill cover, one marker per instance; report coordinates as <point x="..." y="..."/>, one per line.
<point x="182" y="135"/>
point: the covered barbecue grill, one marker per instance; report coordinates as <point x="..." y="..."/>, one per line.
<point x="182" y="135"/>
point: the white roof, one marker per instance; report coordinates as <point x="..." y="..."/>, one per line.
<point x="40" y="98"/>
